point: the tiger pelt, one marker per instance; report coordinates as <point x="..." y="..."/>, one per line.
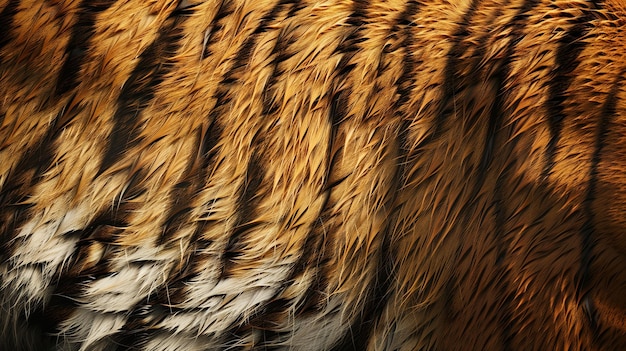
<point x="312" y="175"/>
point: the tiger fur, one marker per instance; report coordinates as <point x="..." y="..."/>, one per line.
<point x="312" y="175"/>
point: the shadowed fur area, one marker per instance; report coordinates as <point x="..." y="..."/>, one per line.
<point x="312" y="175"/>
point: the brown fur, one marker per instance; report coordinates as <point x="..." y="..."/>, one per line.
<point x="381" y="175"/>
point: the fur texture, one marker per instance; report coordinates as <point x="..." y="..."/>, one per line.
<point x="312" y="175"/>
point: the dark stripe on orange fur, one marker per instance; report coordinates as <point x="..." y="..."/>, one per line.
<point x="358" y="335"/>
<point x="569" y="48"/>
<point x="280" y="54"/>
<point x="246" y="211"/>
<point x="186" y="191"/>
<point x="271" y="314"/>
<point x="183" y="200"/>
<point x="499" y="73"/>
<point x="174" y="292"/>
<point x="27" y="173"/>
<point x="247" y="201"/>
<point x="6" y="23"/>
<point x="319" y="237"/>
<point x="312" y="247"/>
<point x="406" y="82"/>
<point x="361" y="330"/>
<point x="138" y="326"/>
<point x="79" y="43"/>
<point x="452" y="83"/>
<point x="19" y="181"/>
<point x="244" y="52"/>
<point x="501" y="212"/>
<point x="495" y="72"/>
<point x="568" y="51"/>
<point x="607" y="115"/>
<point x="154" y="64"/>
<point x="19" y="184"/>
<point x="322" y="235"/>
<point x="216" y="27"/>
<point x="347" y="48"/>
<point x="498" y="76"/>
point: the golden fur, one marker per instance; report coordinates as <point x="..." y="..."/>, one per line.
<point x="313" y="175"/>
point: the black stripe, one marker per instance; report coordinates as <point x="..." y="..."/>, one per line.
<point x="569" y="48"/>
<point x="500" y="75"/>
<point x="224" y="93"/>
<point x="587" y="233"/>
<point x="174" y="292"/>
<point x="452" y="80"/>
<point x="404" y="87"/>
<point x="314" y="254"/>
<point x="255" y="173"/>
<point x="247" y="204"/>
<point x="452" y="83"/>
<point x="498" y="71"/>
<point x="216" y="27"/>
<point x="154" y="64"/>
<point x="280" y="53"/>
<point x="79" y="43"/>
<point x="505" y="312"/>
<point x="406" y="82"/>
<point x="7" y="16"/>
<point x="348" y="47"/>
<point x="361" y="330"/>
<point x="196" y="178"/>
<point x="21" y="180"/>
<point x="14" y="207"/>
<point x="135" y="95"/>
<point x="506" y="319"/>
<point x="272" y="313"/>
<point x="190" y="187"/>
<point x="243" y="55"/>
<point x="138" y="326"/>
<point x="320" y="235"/>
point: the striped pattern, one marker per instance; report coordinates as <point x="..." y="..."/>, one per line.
<point x="312" y="175"/>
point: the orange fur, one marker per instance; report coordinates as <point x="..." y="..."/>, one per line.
<point x="313" y="175"/>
